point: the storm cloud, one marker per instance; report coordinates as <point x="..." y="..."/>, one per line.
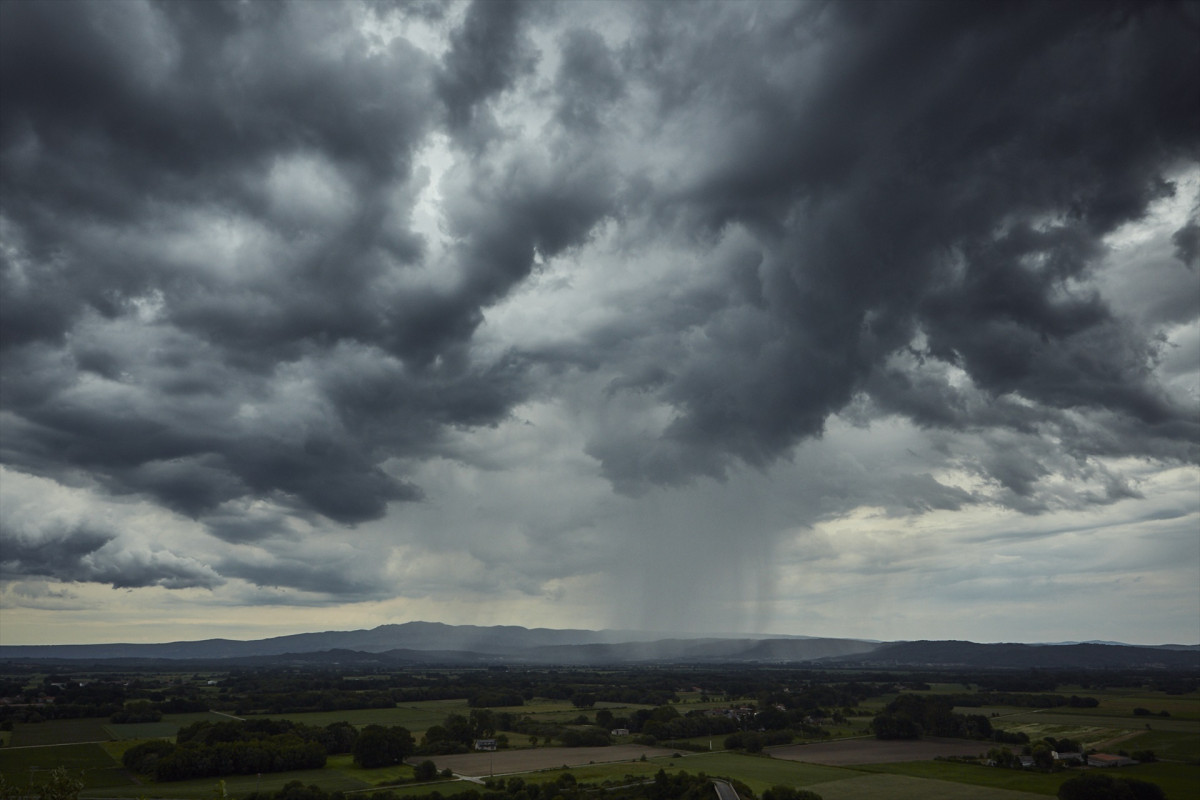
<point x="296" y="272"/>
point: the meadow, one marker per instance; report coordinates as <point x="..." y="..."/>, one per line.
<point x="91" y="749"/>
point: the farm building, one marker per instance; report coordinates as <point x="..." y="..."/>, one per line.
<point x="485" y="744"/>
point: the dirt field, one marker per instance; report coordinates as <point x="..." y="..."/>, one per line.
<point x="874" y="751"/>
<point x="503" y="762"/>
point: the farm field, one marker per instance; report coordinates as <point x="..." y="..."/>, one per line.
<point x="900" y="787"/>
<point x="60" y="731"/>
<point x="872" y="751"/>
<point x="850" y="765"/>
<point x="89" y="762"/>
<point x="759" y="772"/>
<point x="506" y="762"/>
<point x="235" y="785"/>
<point x="1166" y="745"/>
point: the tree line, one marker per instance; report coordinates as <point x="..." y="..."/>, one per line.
<point x="246" y="747"/>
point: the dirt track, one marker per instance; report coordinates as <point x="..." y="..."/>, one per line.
<point x="874" y="751"/>
<point x="503" y="762"/>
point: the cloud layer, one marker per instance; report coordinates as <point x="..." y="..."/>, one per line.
<point x="331" y="290"/>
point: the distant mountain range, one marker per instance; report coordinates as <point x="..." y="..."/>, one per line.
<point x="432" y="643"/>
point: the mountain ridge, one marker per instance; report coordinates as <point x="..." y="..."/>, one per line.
<point x="427" y="643"/>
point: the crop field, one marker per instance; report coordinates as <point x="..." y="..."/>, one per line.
<point x="1179" y="781"/>
<point x="344" y="764"/>
<point x="973" y="775"/>
<point x="166" y="729"/>
<point x="89" y="762"/>
<point x="505" y="762"/>
<point x="1167" y="745"/>
<point x="849" y="765"/>
<point x="900" y="787"/>
<point x="760" y="772"/>
<point x="59" y="731"/>
<point x="872" y="751"/>
<point x="235" y="785"/>
<point x="417" y="717"/>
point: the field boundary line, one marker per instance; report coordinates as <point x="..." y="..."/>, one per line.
<point x="223" y="714"/>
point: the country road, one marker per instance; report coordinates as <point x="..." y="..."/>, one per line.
<point x="725" y="791"/>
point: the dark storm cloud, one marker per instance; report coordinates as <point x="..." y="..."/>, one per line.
<point x="486" y="55"/>
<point x="1187" y="245"/>
<point x="83" y="553"/>
<point x="166" y="170"/>
<point x="346" y="582"/>
<point x="213" y="290"/>
<point x="942" y="169"/>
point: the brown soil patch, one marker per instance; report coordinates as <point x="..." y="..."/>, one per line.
<point x="503" y="762"/>
<point x="875" y="751"/>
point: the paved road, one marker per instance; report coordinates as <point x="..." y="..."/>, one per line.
<point x="725" y="791"/>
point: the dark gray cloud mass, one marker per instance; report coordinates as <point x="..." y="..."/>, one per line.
<point x="214" y="287"/>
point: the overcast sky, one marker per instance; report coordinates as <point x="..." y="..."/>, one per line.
<point x="864" y="319"/>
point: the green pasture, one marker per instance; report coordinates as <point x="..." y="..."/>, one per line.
<point x="598" y="773"/>
<point x="1180" y="707"/>
<point x="235" y="785"/>
<point x="88" y="762"/>
<point x="59" y="731"/>
<point x="759" y="772"/>
<point x="1179" y="781"/>
<point x="974" y="775"/>
<point x="344" y="766"/>
<point x="1167" y="745"/>
<point x="165" y="729"/>
<point x="902" y="787"/>
<point x="417" y="717"/>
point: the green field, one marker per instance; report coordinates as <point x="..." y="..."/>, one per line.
<point x="414" y="716"/>
<point x="92" y="749"/>
<point x="235" y="785"/>
<point x="760" y="772"/>
<point x="89" y="762"/>
<point x="1167" y="745"/>
<point x="900" y="787"/>
<point x="166" y="729"/>
<point x="59" y="731"/>
<point x="974" y="775"/>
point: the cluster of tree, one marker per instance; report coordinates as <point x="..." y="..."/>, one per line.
<point x="49" y="711"/>
<point x="585" y="737"/>
<point x="1098" y="786"/>
<point x="457" y="732"/>
<point x="1145" y="712"/>
<point x="74" y="696"/>
<point x="137" y="711"/>
<point x="379" y="746"/>
<point x="911" y="716"/>
<point x="208" y="749"/>
<point x="665" y="722"/>
<point x="58" y="785"/>
<point x="271" y="754"/>
<point x="313" y="700"/>
<point x="491" y="698"/>
<point x="754" y="742"/>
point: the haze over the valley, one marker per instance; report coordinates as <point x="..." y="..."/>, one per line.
<point x="872" y="320"/>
